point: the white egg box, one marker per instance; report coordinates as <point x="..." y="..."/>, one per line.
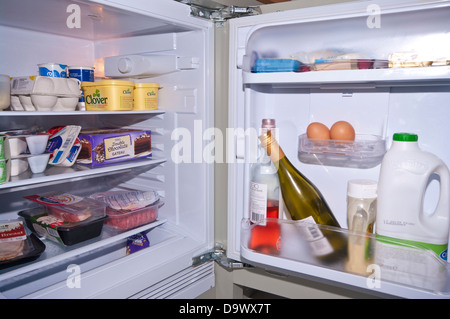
<point x="42" y="93"/>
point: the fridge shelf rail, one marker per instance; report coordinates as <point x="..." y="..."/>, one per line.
<point x="380" y="264"/>
<point x="434" y="75"/>
<point x="58" y="173"/>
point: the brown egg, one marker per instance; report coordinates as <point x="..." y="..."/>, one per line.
<point x="343" y="131"/>
<point x="318" y="130"/>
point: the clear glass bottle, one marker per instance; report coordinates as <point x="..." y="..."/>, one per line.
<point x="264" y="200"/>
<point x="264" y="183"/>
<point x="305" y="203"/>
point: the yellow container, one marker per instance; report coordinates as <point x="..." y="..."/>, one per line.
<point x="146" y="96"/>
<point x="108" y="95"/>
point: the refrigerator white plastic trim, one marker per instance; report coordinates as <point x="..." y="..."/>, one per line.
<point x="241" y="29"/>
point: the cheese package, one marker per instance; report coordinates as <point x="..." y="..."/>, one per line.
<point x="105" y="146"/>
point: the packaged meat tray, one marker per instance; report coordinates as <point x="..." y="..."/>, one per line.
<point x="129" y="209"/>
<point x="54" y="228"/>
<point x="70" y="208"/>
<point x="16" y="247"/>
<point x="106" y="146"/>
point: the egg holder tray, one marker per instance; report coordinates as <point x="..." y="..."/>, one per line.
<point x="42" y="93"/>
<point x="365" y="151"/>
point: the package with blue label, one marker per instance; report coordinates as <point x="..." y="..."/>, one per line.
<point x="105" y="146"/>
<point x="276" y="65"/>
<point x="64" y="145"/>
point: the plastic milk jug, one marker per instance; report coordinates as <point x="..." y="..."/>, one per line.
<point x="405" y="173"/>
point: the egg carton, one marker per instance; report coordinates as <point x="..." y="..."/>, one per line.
<point x="42" y="93"/>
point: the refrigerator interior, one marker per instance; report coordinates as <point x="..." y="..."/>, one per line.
<point x="376" y="102"/>
<point x="36" y="32"/>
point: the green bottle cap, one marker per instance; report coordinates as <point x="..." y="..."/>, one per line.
<point x="405" y="137"/>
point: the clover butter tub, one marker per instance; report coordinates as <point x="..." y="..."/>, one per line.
<point x="108" y="95"/>
<point x="146" y="96"/>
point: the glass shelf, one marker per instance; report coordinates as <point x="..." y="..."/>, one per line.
<point x="57" y="173"/>
<point x="110" y="244"/>
<point x="366" y="260"/>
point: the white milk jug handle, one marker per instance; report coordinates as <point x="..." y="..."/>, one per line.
<point x="441" y="216"/>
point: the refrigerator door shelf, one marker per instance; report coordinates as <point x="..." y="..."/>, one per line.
<point x="383" y="267"/>
<point x="433" y="75"/>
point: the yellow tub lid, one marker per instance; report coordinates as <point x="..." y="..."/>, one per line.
<point x="146" y="85"/>
<point x="108" y="82"/>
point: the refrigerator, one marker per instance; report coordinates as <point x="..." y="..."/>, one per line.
<point x="200" y="163"/>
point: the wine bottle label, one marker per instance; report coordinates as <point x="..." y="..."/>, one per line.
<point x="258" y="201"/>
<point x="318" y="243"/>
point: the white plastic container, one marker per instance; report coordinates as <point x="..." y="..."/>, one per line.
<point x="406" y="172"/>
<point x="37" y="143"/>
<point x="38" y="163"/>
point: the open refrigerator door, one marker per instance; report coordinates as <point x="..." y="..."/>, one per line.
<point x="371" y="65"/>
<point x="128" y="44"/>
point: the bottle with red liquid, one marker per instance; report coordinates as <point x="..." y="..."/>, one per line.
<point x="264" y="200"/>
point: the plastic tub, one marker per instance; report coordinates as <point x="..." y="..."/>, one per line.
<point x="84" y="74"/>
<point x="3" y="141"/>
<point x="128" y="219"/>
<point x="108" y="95"/>
<point x="3" y="171"/>
<point x="146" y="96"/>
<point x="39" y="221"/>
<point x="53" y="70"/>
<point x="70" y="208"/>
<point x="38" y="163"/>
<point x="129" y="209"/>
<point x="37" y="143"/>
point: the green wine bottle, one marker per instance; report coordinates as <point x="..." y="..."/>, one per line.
<point x="304" y="202"/>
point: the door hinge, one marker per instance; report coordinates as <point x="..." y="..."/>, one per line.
<point x="217" y="12"/>
<point x="218" y="254"/>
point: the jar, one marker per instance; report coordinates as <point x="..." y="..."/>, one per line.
<point x="361" y="214"/>
<point x="361" y="205"/>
